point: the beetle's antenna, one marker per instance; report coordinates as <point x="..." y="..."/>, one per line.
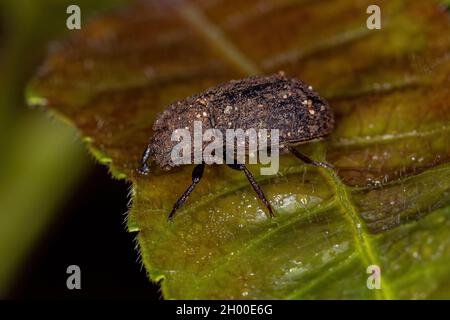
<point x="145" y="169"/>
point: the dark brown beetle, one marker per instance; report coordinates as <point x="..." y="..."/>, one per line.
<point x="259" y="102"/>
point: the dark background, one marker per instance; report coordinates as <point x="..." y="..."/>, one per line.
<point x="88" y="229"/>
<point x="89" y="232"/>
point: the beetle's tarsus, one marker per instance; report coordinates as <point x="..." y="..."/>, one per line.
<point x="197" y="174"/>
<point x="308" y="160"/>
<point x="255" y="185"/>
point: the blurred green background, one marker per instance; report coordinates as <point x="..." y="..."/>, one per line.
<point x="42" y="161"/>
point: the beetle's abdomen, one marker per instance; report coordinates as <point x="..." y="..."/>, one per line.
<point x="272" y="102"/>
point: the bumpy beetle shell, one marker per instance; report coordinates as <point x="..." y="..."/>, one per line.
<point x="259" y="102"/>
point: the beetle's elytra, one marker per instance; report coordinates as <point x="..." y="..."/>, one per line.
<point x="259" y="102"/>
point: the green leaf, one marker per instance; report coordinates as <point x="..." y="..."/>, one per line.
<point x="388" y="203"/>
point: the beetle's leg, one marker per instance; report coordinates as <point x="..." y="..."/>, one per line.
<point x="308" y="160"/>
<point x="145" y="169"/>
<point x="255" y="185"/>
<point x="197" y="174"/>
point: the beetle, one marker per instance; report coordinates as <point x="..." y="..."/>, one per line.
<point x="260" y="102"/>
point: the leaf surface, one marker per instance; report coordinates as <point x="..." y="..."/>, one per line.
<point x="388" y="203"/>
